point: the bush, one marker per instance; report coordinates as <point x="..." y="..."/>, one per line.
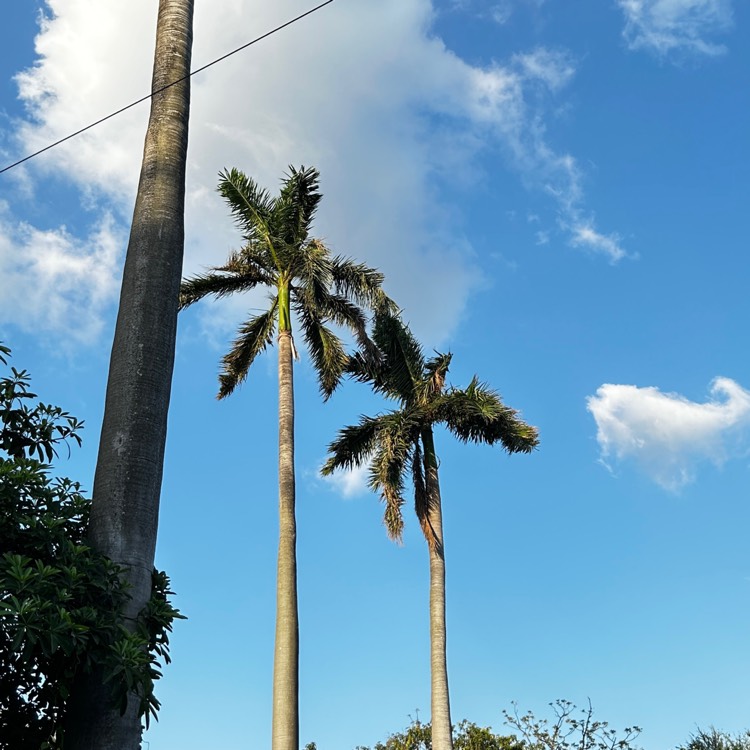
<point x="60" y="601"/>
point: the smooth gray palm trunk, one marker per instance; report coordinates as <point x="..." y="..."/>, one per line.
<point x="442" y="738"/>
<point x="285" y="730"/>
<point x="128" y="476"/>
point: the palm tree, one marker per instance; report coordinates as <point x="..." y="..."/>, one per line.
<point x="127" y="481"/>
<point x="402" y="441"/>
<point x="306" y="280"/>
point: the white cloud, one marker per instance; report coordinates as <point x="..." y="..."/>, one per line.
<point x="584" y="235"/>
<point x="370" y="128"/>
<point x="553" y="67"/>
<point x="501" y="12"/>
<point x="666" y="435"/>
<point x="349" y="483"/>
<point x="676" y="26"/>
<point x="54" y="283"/>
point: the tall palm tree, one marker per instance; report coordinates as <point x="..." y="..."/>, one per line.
<point x="402" y="441"/>
<point x="127" y="481"/>
<point x="319" y="289"/>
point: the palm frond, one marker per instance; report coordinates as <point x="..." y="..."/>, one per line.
<point x="254" y="337"/>
<point x="220" y="284"/>
<point x="433" y="379"/>
<point x="312" y="269"/>
<point x="345" y="313"/>
<point x="353" y="446"/>
<point x="252" y="260"/>
<point x="250" y="205"/>
<point x="326" y="350"/>
<point x="371" y="370"/>
<point x="395" y="443"/>
<point x="296" y="205"/>
<point x="477" y="414"/>
<point x="403" y="356"/>
<point x="362" y="284"/>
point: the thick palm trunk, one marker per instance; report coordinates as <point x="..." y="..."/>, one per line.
<point x="440" y="699"/>
<point x="285" y="732"/>
<point x="128" y="475"/>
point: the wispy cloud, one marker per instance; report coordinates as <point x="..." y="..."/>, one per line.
<point x="515" y="100"/>
<point x="53" y="283"/>
<point x="501" y="12"/>
<point x="584" y="235"/>
<point x="666" y="435"/>
<point x="386" y="133"/>
<point x="676" y="26"/>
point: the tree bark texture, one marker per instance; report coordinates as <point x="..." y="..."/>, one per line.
<point x="440" y="700"/>
<point x="127" y="482"/>
<point x="285" y="731"/>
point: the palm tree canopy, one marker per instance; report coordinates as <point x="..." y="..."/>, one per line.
<point x="394" y="442"/>
<point x="300" y="271"/>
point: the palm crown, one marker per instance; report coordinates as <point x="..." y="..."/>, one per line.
<point x="303" y="276"/>
<point x="400" y="441"/>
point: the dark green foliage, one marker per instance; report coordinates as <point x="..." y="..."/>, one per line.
<point x="466" y="736"/>
<point x="59" y="600"/>
<point x="713" y="739"/>
<point x="570" y="729"/>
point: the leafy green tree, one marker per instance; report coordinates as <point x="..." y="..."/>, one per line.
<point x="570" y="729"/>
<point x="307" y="282"/>
<point x="466" y="736"/>
<point x="60" y="601"/>
<point x="402" y="441"/>
<point x="713" y="739"/>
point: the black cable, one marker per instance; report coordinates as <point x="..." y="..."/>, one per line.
<point x="164" y="88"/>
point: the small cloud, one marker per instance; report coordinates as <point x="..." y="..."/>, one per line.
<point x="349" y="483"/>
<point x="584" y="235"/>
<point x="501" y="12"/>
<point x="665" y="434"/>
<point x="676" y="26"/>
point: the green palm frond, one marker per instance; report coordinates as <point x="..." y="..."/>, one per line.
<point x="353" y="446"/>
<point x="346" y="314"/>
<point x="361" y="283"/>
<point x="326" y="350"/>
<point x="313" y="273"/>
<point x="395" y="444"/>
<point x="250" y="205"/>
<point x="295" y="207"/>
<point x="477" y="414"/>
<point x="254" y="337"/>
<point x="219" y="284"/>
<point x="252" y="260"/>
<point x="403" y="355"/>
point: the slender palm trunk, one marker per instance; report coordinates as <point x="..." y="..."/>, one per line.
<point x="285" y="732"/>
<point x="441" y="709"/>
<point x="127" y="482"/>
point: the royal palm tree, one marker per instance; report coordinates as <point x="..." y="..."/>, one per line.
<point x="306" y="282"/>
<point x="402" y="441"/>
<point x="127" y="481"/>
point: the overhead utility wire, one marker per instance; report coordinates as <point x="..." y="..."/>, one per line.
<point x="164" y="88"/>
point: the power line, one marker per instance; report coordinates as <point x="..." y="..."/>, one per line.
<point x="169" y="85"/>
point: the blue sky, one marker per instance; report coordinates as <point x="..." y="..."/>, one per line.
<point x="558" y="195"/>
